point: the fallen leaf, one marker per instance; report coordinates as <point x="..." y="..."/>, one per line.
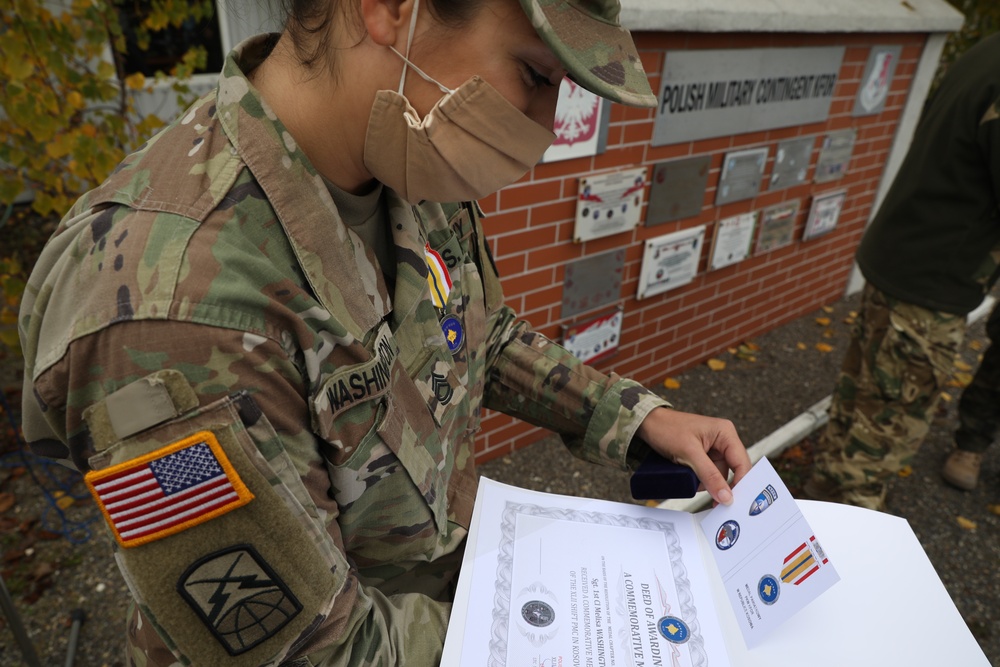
<point x="801" y="346"/>
<point x="823" y="321"/>
<point x="962" y="366"/>
<point x="853" y="314"/>
<point x="828" y="333"/>
<point x="946" y="397"/>
<point x="848" y="320"/>
<point x="795" y="452"/>
<point x="967" y="524"/>
<point x="960" y="380"/>
<point x="827" y="309"/>
<point x="746" y="352"/>
<point x="731" y="350"/>
<point x="671" y="383"/>
<point x="65" y="502"/>
<point x="7" y="501"/>
<point x="42" y="570"/>
<point x="752" y="346"/>
<point x="975" y="345"/>
<point x="994" y="508"/>
<point x="716" y="364"/>
<point x="652" y="503"/>
<point x="905" y="471"/>
<point x="823" y="347"/>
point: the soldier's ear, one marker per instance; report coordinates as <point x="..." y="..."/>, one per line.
<point x="388" y="21"/>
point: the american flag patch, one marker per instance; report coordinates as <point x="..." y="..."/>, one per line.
<point x="169" y="490"/>
<point x="438" y="278"/>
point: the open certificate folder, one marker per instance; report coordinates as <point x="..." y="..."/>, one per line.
<point x="558" y="581"/>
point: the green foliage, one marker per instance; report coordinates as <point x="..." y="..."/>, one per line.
<point x="68" y="114"/>
<point x="982" y="19"/>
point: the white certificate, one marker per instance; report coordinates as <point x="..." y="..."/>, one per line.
<point x="559" y="581"/>
<point x="584" y="583"/>
<point x="732" y="239"/>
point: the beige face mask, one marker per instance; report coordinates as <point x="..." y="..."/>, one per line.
<point x="471" y="144"/>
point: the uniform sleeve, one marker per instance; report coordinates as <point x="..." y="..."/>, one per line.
<point x="287" y="533"/>
<point x="535" y="379"/>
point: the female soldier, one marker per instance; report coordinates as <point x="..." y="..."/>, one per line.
<point x="269" y="345"/>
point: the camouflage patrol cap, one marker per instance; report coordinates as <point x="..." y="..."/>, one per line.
<point x="593" y="46"/>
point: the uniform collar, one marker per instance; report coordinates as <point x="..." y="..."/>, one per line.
<point x="299" y="197"/>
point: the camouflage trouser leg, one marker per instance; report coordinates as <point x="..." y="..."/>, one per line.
<point x="898" y="360"/>
<point x="979" y="407"/>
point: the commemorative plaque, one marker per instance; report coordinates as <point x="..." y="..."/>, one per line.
<point x="678" y="189"/>
<point x="742" y="173"/>
<point x="731" y="243"/>
<point x="777" y="224"/>
<point x="592" y="282"/>
<point x="876" y="80"/>
<point x="791" y="163"/>
<point x="670" y="261"/>
<point x="834" y="155"/>
<point x="609" y="204"/>
<point x="824" y="214"/>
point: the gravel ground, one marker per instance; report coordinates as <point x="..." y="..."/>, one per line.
<point x="49" y="576"/>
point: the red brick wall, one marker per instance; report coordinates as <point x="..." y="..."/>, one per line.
<point x="530" y="225"/>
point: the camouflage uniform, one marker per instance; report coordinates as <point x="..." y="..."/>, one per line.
<point x="208" y="303"/>
<point x="979" y="407"/>
<point x="929" y="256"/>
<point x="897" y="362"/>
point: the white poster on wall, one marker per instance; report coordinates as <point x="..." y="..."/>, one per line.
<point x="609" y="204"/>
<point x="732" y="239"/>
<point x="670" y="261"/>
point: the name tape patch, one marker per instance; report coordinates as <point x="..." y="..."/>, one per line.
<point x="365" y="381"/>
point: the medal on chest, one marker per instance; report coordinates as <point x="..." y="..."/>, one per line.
<point x="440" y="284"/>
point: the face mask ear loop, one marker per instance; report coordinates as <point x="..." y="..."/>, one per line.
<point x="409" y="42"/>
<point x="406" y="58"/>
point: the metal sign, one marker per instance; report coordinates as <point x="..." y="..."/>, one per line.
<point x="742" y="172"/>
<point x="791" y="163"/>
<point x="714" y="93"/>
<point x="678" y="189"/>
<point x="593" y="282"/>
<point x="876" y="80"/>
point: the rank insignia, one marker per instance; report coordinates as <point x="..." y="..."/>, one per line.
<point x="438" y="278"/>
<point x="441" y="388"/>
<point x="727" y="535"/>
<point x="454" y="334"/>
<point x="238" y="597"/>
<point x="673" y="629"/>
<point x="168" y="490"/>
<point x="763" y="500"/>
<point x="768" y="589"/>
<point x="803" y="562"/>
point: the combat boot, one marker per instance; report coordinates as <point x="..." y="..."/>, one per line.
<point x="962" y="469"/>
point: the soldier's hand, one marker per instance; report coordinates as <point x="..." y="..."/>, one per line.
<point x="708" y="445"/>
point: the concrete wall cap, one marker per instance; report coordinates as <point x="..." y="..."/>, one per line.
<point x="824" y="16"/>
